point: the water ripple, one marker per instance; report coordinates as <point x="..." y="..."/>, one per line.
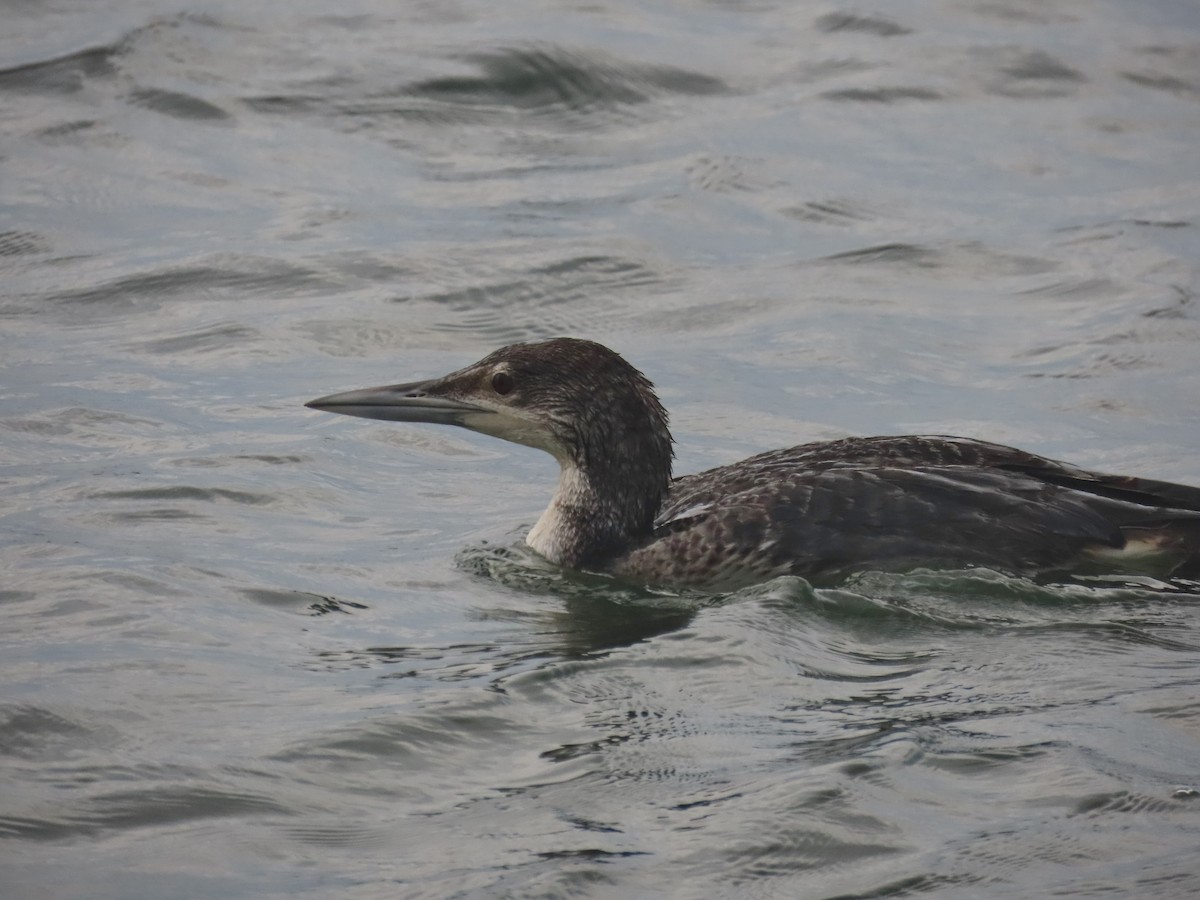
<point x="877" y="25"/>
<point x="178" y="105"/>
<point x="63" y="74"/>
<point x="547" y="300"/>
<point x="552" y="78"/>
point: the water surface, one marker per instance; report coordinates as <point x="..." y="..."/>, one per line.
<point x="250" y="650"/>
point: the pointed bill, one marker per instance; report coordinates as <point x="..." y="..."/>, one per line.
<point x="398" y="403"/>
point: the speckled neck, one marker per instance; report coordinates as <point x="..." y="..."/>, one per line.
<point x="601" y="511"/>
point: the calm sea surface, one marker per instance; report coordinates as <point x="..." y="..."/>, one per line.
<point x="249" y="650"/>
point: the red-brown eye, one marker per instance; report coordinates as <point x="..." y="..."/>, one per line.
<point x="502" y="383"/>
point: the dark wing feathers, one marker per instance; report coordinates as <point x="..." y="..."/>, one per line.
<point x="823" y="508"/>
<point x="1147" y="493"/>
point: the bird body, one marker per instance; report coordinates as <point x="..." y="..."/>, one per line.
<point x="820" y="510"/>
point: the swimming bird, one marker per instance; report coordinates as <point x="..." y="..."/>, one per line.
<point x="820" y="510"/>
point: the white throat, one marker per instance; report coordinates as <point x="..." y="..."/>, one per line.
<point x="553" y="532"/>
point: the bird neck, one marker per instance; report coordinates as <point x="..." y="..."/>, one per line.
<point x="599" y="512"/>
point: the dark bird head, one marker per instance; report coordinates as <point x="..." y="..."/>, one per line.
<point x="577" y="400"/>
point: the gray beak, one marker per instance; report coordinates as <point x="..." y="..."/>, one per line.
<point x="398" y="403"/>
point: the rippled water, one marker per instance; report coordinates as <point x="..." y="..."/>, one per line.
<point x="253" y="651"/>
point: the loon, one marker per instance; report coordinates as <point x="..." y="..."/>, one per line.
<point x="822" y="510"/>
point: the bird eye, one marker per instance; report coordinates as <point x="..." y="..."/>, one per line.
<point x="502" y="383"/>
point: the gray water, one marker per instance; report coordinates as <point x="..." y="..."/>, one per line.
<point x="250" y="650"/>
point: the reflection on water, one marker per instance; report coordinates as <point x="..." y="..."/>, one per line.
<point x="251" y="653"/>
